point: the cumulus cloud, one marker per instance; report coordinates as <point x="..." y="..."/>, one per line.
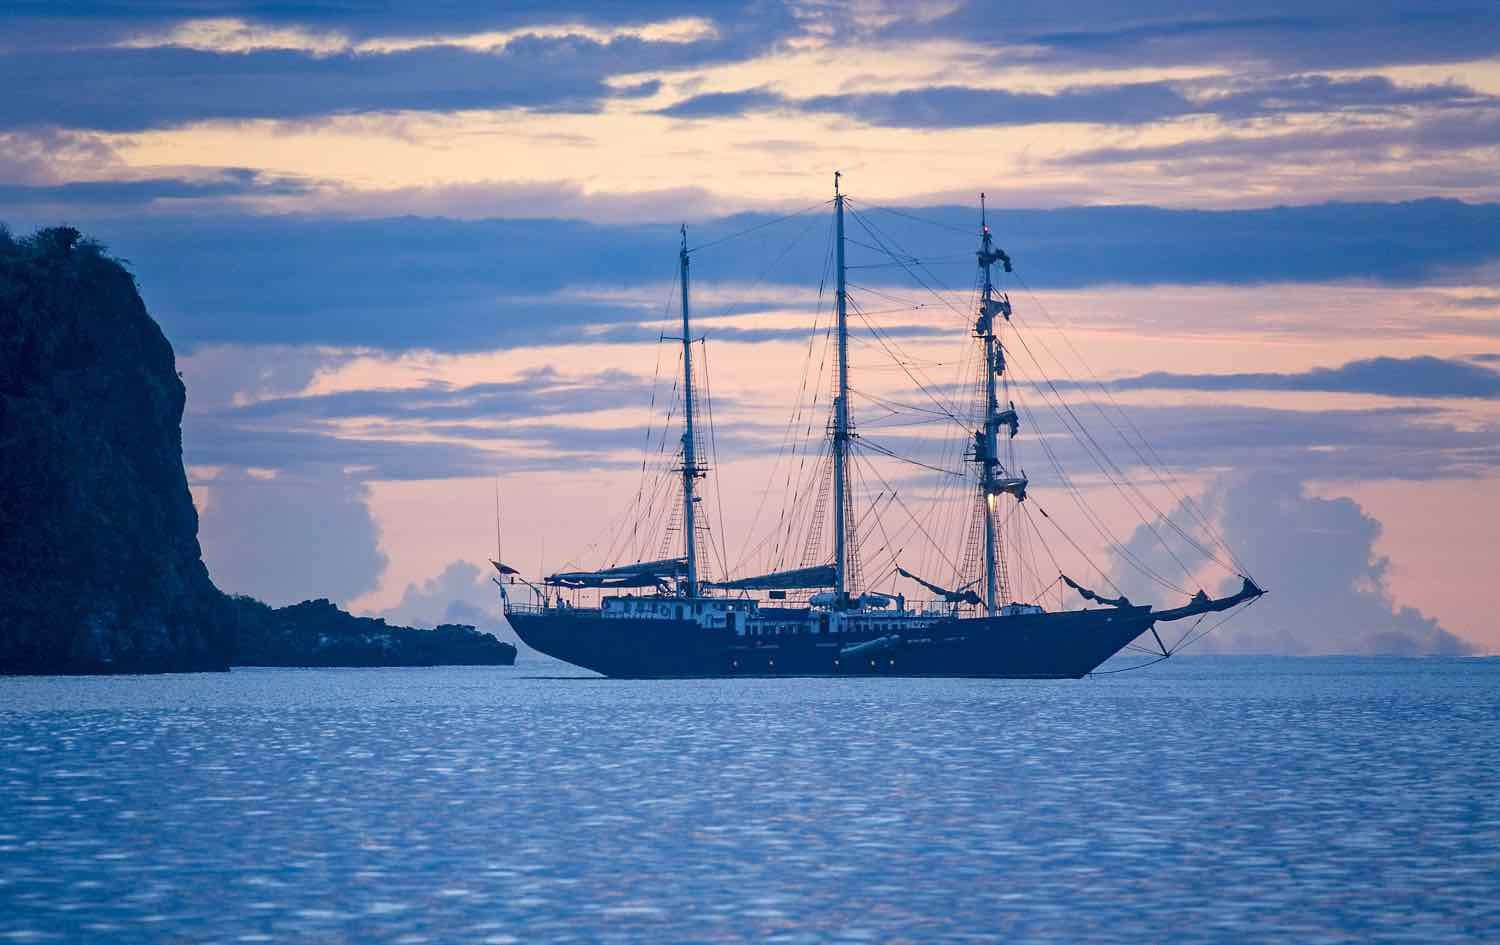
<point x="460" y="593"/>
<point x="284" y="539"/>
<point x="1316" y="556"/>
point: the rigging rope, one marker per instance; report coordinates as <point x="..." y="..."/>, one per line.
<point x="713" y="442"/>
<point x="967" y="231"/>
<point x="866" y="443"/>
<point x="1092" y="448"/>
<point x="1160" y="469"/>
<point x="1102" y="460"/>
<point x="757" y="227"/>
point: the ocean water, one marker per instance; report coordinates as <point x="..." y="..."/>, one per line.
<point x="1201" y="800"/>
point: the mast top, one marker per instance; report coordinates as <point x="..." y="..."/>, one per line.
<point x="684" y="238"/>
<point x="836" y="176"/>
<point x="984" y="225"/>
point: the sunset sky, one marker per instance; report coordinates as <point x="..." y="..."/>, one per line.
<point x="406" y="253"/>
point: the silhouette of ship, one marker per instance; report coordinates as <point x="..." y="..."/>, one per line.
<point x="666" y="618"/>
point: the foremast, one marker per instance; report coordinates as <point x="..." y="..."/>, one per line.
<point x="841" y="431"/>
<point x="994" y="480"/>
<point x="691" y="471"/>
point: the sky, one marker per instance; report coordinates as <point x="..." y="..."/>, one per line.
<point x="408" y="253"/>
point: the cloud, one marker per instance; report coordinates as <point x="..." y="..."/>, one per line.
<point x="223" y="376"/>
<point x="720" y="104"/>
<point x="151" y="72"/>
<point x="251" y="24"/>
<point x="461" y="593"/>
<point x="1421" y="137"/>
<point x="248" y="418"/>
<point x="1316" y="557"/>
<point x="1423" y="376"/>
<point x="290" y="538"/>
<point x="1411" y="442"/>
<point x="142" y="192"/>
<point x="210" y="442"/>
<point x="134" y="89"/>
<point x="454" y="285"/>
<point x="951" y="106"/>
<point x="535" y="393"/>
<point x="45" y="155"/>
<point x="236" y="35"/>
<point x="1298" y="36"/>
<point x="440" y="431"/>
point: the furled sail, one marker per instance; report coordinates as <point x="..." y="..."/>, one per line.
<point x="1121" y="601"/>
<point x="640" y="574"/>
<point x="819" y="575"/>
<point x="1200" y="604"/>
<point x="1015" y="485"/>
<point x="961" y="596"/>
<point x="1203" y="604"/>
<point x="1009" y="418"/>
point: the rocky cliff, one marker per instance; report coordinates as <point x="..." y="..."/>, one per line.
<point x="100" y="568"/>
<point x="99" y="562"/>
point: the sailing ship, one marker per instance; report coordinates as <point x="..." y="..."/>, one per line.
<point x="664" y="618"/>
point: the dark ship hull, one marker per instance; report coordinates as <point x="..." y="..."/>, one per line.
<point x="1067" y="645"/>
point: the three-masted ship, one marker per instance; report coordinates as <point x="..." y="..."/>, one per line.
<point x="662" y="618"/>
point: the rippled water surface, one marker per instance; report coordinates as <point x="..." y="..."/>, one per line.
<point x="1205" y="799"/>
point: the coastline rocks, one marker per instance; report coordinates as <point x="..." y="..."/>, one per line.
<point x="317" y="633"/>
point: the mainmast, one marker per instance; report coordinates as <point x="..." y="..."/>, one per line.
<point x="993" y="481"/>
<point x="690" y="469"/>
<point x="840" y="413"/>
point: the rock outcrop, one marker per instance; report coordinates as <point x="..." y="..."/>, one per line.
<point x="100" y="568"/>
<point x="316" y="633"/>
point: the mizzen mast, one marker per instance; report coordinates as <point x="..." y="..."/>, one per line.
<point x="691" y="471"/>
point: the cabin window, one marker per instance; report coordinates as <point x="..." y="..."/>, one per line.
<point x="732" y="622"/>
<point x="679" y="611"/>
